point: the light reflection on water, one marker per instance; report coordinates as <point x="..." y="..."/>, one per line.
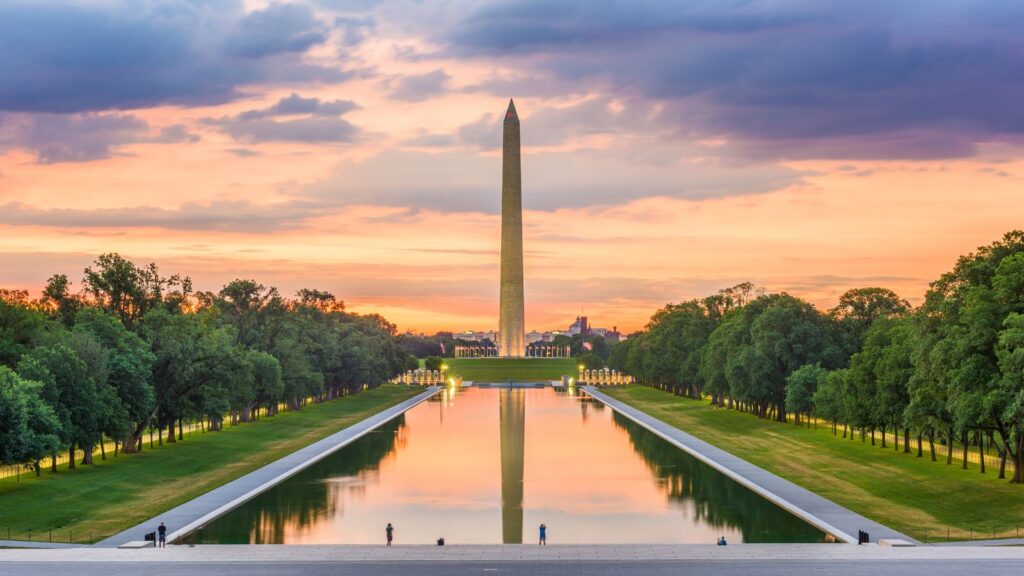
<point x="490" y="465"/>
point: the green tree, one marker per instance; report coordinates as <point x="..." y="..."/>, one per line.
<point x="858" y="309"/>
<point x="71" y="392"/>
<point x="29" y="430"/>
<point x="129" y="371"/>
<point x="828" y="397"/>
<point x="800" y="388"/>
<point x="964" y="313"/>
<point x="1009" y="394"/>
<point x="21" y="328"/>
<point x="59" y="301"/>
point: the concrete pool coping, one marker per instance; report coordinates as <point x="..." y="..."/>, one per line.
<point x="802" y="503"/>
<point x="196" y="512"/>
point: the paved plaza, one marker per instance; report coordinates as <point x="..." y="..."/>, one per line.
<point x="312" y="560"/>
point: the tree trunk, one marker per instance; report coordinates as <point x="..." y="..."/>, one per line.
<point x="919" y="444"/>
<point x="103" y="449"/>
<point x="966" y="443"/>
<point x="981" y="449"/>
<point x="71" y="457"/>
<point x="884" y="427"/>
<point x="1002" y="462"/>
<point x="931" y="442"/>
<point x="87" y="455"/>
<point x="873" y="436"/>
<point x="906" y="440"/>
<point x="1018" y="463"/>
<point x="170" y="431"/>
<point x="949" y="449"/>
<point x="134" y="442"/>
<point x="53" y="462"/>
<point x="181" y="428"/>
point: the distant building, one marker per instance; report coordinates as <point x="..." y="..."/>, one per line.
<point x="534" y="336"/>
<point x="580" y="326"/>
<point x="471" y="336"/>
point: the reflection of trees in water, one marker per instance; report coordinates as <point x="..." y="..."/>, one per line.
<point x="314" y="495"/>
<point x="716" y="499"/>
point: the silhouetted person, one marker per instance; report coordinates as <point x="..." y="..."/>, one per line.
<point x="722" y="542"/>
<point x="543" y="535"/>
<point x="390" y="531"/>
<point x="161" y="539"/>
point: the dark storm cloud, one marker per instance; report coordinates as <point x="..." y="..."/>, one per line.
<point x="76" y="56"/>
<point x="278" y="29"/>
<point x="55" y="138"/>
<point x="914" y="79"/>
<point x="292" y="119"/>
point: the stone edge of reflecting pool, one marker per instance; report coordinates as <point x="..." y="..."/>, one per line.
<point x="195" y="513"/>
<point x="816" y="510"/>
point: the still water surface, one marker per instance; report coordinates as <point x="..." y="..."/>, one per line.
<point x="485" y="466"/>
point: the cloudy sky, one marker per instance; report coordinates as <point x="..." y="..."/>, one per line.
<point x="670" y="148"/>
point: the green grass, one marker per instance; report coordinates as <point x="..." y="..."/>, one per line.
<point x="916" y="496"/>
<point x="502" y="369"/>
<point x="115" y="494"/>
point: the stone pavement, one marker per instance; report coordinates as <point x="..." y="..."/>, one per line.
<point x="825" y="514"/>
<point x="198" y="511"/>
<point x="513" y="553"/>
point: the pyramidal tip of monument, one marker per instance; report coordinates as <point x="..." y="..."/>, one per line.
<point x="511" y="108"/>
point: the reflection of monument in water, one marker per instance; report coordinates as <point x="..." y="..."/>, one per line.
<point x="512" y="413"/>
<point x="511" y="324"/>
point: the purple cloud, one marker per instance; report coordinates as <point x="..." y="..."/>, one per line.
<point x="74" y="57"/>
<point x="795" y="79"/>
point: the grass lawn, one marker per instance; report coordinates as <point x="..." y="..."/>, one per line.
<point x="916" y="496"/>
<point x="115" y="494"/>
<point x="501" y="369"/>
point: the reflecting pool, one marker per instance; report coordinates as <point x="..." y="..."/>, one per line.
<point x="486" y="466"/>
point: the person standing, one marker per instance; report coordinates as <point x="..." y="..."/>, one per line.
<point x="161" y="536"/>
<point x="390" y="531"/>
<point x="543" y="535"/>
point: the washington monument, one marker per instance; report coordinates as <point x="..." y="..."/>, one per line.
<point x="511" y="326"/>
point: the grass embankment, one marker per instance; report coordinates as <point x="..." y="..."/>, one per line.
<point x="115" y="494"/>
<point x="502" y="369"/>
<point x="916" y="496"/>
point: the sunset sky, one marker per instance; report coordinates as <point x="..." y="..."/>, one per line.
<point x="670" y="148"/>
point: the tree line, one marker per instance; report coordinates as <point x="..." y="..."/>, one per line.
<point x="951" y="369"/>
<point x="133" y="351"/>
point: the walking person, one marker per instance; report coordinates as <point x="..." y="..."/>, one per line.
<point x="161" y="538"/>
<point x="543" y="535"/>
<point x="390" y="531"/>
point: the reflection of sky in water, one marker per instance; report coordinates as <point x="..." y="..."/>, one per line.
<point x="439" y="471"/>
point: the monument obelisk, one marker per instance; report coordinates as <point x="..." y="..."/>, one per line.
<point x="511" y="326"/>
